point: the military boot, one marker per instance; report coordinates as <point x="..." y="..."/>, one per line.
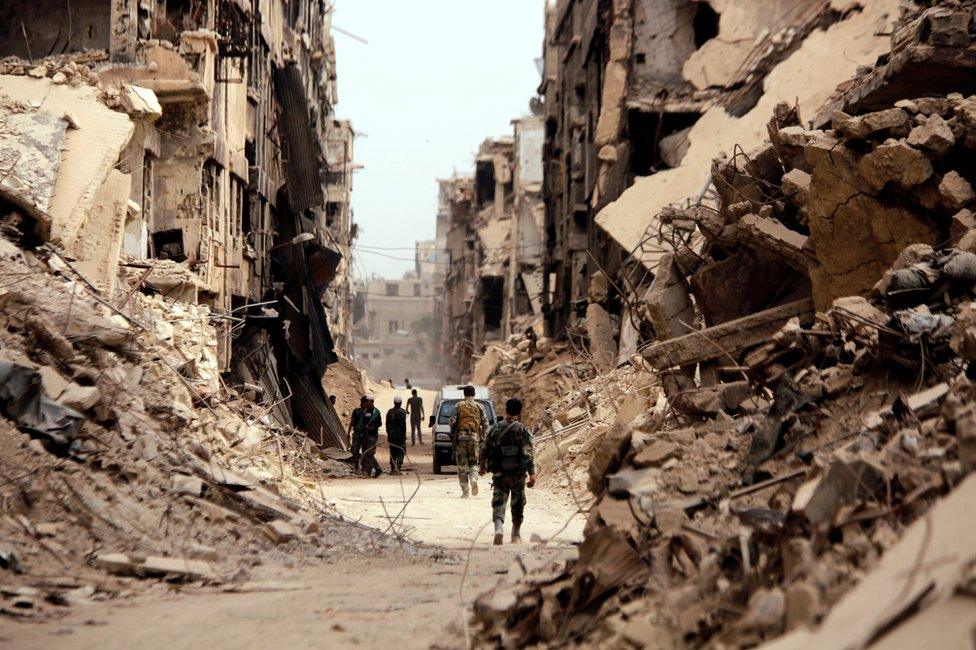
<point x="474" y="487"/>
<point x="516" y="537"/>
<point x="464" y="487"/>
<point x="499" y="533"/>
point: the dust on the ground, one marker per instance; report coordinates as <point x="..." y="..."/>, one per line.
<point x="359" y="597"/>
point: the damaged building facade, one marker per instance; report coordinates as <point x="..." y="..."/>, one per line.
<point x="493" y="244"/>
<point x="781" y="453"/>
<point x="625" y="87"/>
<point x="193" y="145"/>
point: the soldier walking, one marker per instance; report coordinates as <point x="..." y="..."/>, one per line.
<point x="415" y="407"/>
<point x="396" y="435"/>
<point x="468" y="426"/>
<point x="353" y="434"/>
<point x="365" y="426"/>
<point x="508" y="455"/>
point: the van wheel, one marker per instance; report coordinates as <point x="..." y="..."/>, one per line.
<point x="437" y="465"/>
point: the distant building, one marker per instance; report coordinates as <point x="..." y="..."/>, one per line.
<point x="397" y="332"/>
<point x="493" y="224"/>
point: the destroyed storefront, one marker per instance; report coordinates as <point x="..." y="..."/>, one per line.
<point x="187" y="151"/>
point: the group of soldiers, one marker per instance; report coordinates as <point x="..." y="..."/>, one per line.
<point x="504" y="449"/>
<point x="364" y="433"/>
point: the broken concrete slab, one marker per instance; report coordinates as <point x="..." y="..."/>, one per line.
<point x="668" y="301"/>
<point x="88" y="153"/>
<point x="796" y="185"/>
<point x="281" y="531"/>
<point x="80" y="398"/>
<point x="656" y="453"/>
<point x="726" y="339"/>
<point x="190" y="485"/>
<point x="30" y="156"/>
<point x="857" y="235"/>
<point x="918" y="573"/>
<point x="845" y="482"/>
<point x="172" y="568"/>
<point x="771" y="235"/>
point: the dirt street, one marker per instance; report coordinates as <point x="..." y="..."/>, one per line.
<point x="352" y="600"/>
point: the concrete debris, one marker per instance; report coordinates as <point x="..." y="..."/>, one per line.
<point x="809" y="449"/>
<point x="171" y="568"/>
<point x="133" y="398"/>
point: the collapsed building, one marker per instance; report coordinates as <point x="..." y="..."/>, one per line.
<point x="493" y="225"/>
<point x="791" y="454"/>
<point x="640" y="95"/>
<point x="192" y="146"/>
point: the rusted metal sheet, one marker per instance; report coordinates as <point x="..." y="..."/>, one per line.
<point x="302" y="156"/>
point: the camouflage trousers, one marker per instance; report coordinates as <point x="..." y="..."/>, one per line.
<point x="504" y="486"/>
<point x="466" y="457"/>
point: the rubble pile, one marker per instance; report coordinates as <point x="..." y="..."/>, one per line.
<point x="568" y="404"/>
<point x="124" y="456"/>
<point x="814" y="333"/>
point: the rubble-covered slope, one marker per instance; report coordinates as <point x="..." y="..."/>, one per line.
<point x="804" y="459"/>
<point x="123" y="456"/>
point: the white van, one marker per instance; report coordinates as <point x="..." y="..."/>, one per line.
<point x="440" y="420"/>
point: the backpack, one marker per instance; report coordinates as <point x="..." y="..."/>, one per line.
<point x="469" y="416"/>
<point x="507" y="450"/>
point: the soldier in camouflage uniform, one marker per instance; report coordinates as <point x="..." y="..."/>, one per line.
<point x="508" y="455"/>
<point x="364" y="425"/>
<point x="468" y="426"/>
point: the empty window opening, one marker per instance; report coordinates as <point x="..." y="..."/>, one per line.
<point x="523" y="304"/>
<point x="28" y="30"/>
<point x="492" y="301"/>
<point x="173" y="17"/>
<point x="168" y="245"/>
<point x="705" y="24"/>
<point x="484" y="182"/>
<point x="651" y="149"/>
<point x="148" y="180"/>
<point x="393" y="289"/>
<point x="333" y="211"/>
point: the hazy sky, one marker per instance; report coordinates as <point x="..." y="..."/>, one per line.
<point x="437" y="77"/>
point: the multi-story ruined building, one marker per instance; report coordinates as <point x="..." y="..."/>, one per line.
<point x="194" y="143"/>
<point x="338" y="221"/>
<point x="624" y="84"/>
<point x="493" y="224"/>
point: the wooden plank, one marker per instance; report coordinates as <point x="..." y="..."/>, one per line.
<point x="727" y="339"/>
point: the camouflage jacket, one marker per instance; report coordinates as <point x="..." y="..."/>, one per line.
<point x="507" y="433"/>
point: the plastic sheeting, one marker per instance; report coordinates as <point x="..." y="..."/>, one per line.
<point x="22" y="399"/>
